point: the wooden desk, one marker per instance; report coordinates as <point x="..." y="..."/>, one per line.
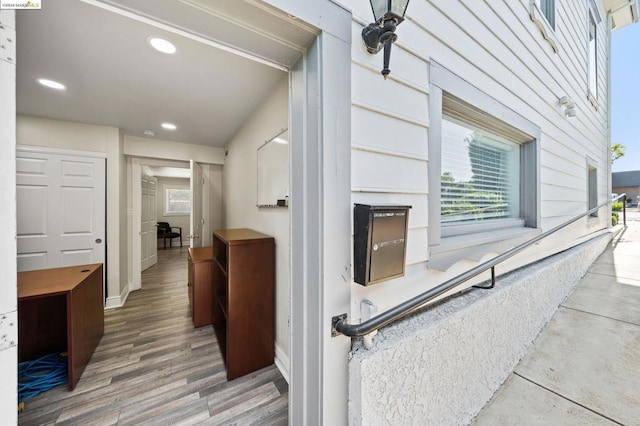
<point x="60" y="310"/>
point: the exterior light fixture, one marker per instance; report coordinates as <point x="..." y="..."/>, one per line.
<point x="569" y="106"/>
<point x="381" y="34"/>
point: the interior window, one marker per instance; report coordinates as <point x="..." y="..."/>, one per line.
<point x="177" y="201"/>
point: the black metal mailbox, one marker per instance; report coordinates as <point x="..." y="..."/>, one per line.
<point x="380" y="242"/>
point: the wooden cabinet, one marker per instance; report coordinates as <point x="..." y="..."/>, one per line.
<point x="243" y="274"/>
<point x="200" y="286"/>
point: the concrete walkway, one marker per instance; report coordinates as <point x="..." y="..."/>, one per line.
<point x="584" y="366"/>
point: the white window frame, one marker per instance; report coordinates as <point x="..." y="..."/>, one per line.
<point x="548" y="29"/>
<point x="593" y="15"/>
<point x="166" y="211"/>
<point x="472" y="241"/>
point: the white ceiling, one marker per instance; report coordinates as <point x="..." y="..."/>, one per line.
<point x="113" y="77"/>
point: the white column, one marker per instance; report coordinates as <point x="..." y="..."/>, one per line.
<point x="8" y="251"/>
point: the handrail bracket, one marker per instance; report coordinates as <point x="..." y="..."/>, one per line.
<point x="493" y="281"/>
<point x="334" y="322"/>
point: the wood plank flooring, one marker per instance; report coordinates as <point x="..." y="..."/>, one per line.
<point x="153" y="368"/>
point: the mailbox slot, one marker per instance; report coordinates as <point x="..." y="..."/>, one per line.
<point x="380" y="242"/>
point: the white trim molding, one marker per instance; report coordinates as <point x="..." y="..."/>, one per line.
<point x="538" y="18"/>
<point x="60" y="151"/>
<point x="282" y="362"/>
<point x="117" y="301"/>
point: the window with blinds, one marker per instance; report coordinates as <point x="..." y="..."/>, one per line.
<point x="480" y="174"/>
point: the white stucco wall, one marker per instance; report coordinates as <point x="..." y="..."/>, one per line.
<point x="240" y="198"/>
<point x="439" y="367"/>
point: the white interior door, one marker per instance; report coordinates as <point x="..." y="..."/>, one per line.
<point x="148" y="233"/>
<point x="60" y="210"/>
<point x="196" y="219"/>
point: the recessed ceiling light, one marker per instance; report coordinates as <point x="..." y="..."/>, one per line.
<point x="161" y="45"/>
<point x="148" y="133"/>
<point x="52" y="84"/>
<point x="169" y="126"/>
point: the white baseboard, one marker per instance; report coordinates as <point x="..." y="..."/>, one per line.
<point x="117" y="301"/>
<point x="282" y="362"/>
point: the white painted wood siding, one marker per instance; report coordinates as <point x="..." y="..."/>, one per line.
<point x="495" y="46"/>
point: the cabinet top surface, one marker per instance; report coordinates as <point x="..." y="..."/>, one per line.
<point x="240" y="236"/>
<point x="56" y="280"/>
<point x="200" y="254"/>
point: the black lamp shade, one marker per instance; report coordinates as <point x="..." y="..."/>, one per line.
<point x="383" y="8"/>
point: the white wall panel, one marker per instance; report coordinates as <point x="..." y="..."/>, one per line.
<point x="77" y="210"/>
<point x="561" y="177"/>
<point x="49" y="133"/>
<point x="378" y="172"/>
<point x="560" y="193"/>
<point x="418" y="202"/>
<point x="32" y="205"/>
<point x="497" y="48"/>
<point x="369" y="88"/>
<point x="389" y="133"/>
<point x="417" y="246"/>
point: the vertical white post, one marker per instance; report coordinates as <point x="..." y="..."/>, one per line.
<point x="8" y="250"/>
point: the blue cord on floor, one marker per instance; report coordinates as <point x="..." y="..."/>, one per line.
<point x="40" y="375"/>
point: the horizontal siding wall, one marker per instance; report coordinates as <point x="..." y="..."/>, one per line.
<point x="495" y="46"/>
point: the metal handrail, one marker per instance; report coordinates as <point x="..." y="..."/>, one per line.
<point x="340" y="325"/>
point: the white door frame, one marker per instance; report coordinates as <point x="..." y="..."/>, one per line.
<point x="320" y="142"/>
<point x="135" y="211"/>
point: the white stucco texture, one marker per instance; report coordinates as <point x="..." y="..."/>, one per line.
<point x="441" y="365"/>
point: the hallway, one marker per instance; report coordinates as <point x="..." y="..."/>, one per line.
<point x="152" y="367"/>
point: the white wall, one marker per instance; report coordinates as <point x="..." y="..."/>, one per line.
<point x="498" y="49"/>
<point x="214" y="173"/>
<point x="8" y="250"/>
<point x="48" y="133"/>
<point x="182" y="221"/>
<point x="240" y="197"/>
